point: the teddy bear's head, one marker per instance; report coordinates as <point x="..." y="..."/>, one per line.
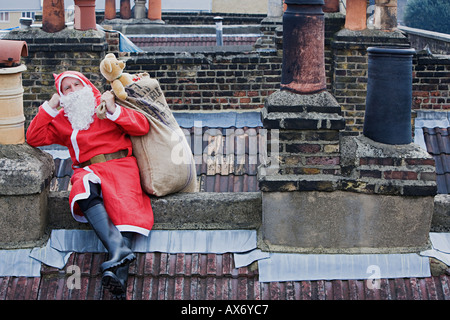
<point x="111" y="68"/>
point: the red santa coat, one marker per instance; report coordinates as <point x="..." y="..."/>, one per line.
<point x="127" y="205"/>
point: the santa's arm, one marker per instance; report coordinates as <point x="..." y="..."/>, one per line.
<point x="132" y="122"/>
<point x="41" y="132"/>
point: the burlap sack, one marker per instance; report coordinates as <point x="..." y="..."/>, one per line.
<point x="165" y="160"/>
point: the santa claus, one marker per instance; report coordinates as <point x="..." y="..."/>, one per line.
<point x="106" y="189"/>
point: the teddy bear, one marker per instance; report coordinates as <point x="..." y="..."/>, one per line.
<point x="112" y="70"/>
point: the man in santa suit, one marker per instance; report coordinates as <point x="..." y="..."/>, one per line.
<point x="106" y="190"/>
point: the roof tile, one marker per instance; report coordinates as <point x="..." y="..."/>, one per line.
<point x="437" y="142"/>
<point x="162" y="276"/>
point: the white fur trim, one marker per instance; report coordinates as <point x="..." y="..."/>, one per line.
<point x="129" y="228"/>
<point x="52" y="112"/>
<point x="116" y="114"/>
<point x="76" y="149"/>
<point x="90" y="177"/>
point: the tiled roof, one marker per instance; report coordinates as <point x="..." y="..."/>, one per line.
<point x="209" y="276"/>
<point x="437" y="142"/>
<point x="182" y="276"/>
<point x="161" y="276"/>
<point x="218" y="170"/>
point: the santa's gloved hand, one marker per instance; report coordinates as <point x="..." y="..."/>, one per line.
<point x="110" y="102"/>
<point x="54" y="101"/>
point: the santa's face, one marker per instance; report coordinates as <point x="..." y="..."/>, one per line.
<point x="78" y="102"/>
<point x="70" y="84"/>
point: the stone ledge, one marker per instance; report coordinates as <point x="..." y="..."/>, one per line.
<point x="229" y="211"/>
<point x="24" y="170"/>
<point x="65" y="40"/>
<point x="285" y="183"/>
<point x="441" y="215"/>
<point x="287" y="110"/>
<point x="67" y="35"/>
<point x="360" y="40"/>
<point x="344" y="222"/>
<point x="202" y="210"/>
<point x="25" y="175"/>
<point x="324" y="182"/>
<point x="285" y="101"/>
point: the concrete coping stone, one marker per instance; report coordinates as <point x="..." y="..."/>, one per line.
<point x="199" y="210"/>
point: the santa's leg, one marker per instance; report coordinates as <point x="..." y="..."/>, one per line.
<point x="116" y="282"/>
<point x="110" y="236"/>
<point x="94" y="211"/>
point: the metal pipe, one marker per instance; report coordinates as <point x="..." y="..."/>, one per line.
<point x="219" y="31"/>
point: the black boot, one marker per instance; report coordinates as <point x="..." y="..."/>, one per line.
<point x="110" y="236"/>
<point x="116" y="282"/>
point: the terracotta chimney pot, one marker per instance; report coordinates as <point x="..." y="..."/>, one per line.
<point x="154" y="9"/>
<point x="125" y="9"/>
<point x="85" y="15"/>
<point x="303" y="69"/>
<point x="331" y="6"/>
<point x="12" y="118"/>
<point x="110" y="9"/>
<point x="11" y="52"/>
<point x="385" y="15"/>
<point x="53" y="18"/>
<point x="355" y="18"/>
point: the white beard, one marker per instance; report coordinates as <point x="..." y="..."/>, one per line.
<point x="79" y="108"/>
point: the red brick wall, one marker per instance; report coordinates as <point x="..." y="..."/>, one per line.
<point x="212" y="81"/>
<point x="431" y="83"/>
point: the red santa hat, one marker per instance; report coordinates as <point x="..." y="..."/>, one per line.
<point x="77" y="75"/>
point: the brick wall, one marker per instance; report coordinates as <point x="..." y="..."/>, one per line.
<point x="309" y="152"/>
<point x="374" y="168"/>
<point x="228" y="80"/>
<point x="431" y="83"/>
<point x="212" y="81"/>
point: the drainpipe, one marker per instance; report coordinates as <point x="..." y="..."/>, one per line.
<point x="219" y="31"/>
<point x="53" y="19"/>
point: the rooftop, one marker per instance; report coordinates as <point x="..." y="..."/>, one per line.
<point x="163" y="274"/>
<point x="173" y="266"/>
<point x="184" y="276"/>
<point x="192" y="274"/>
